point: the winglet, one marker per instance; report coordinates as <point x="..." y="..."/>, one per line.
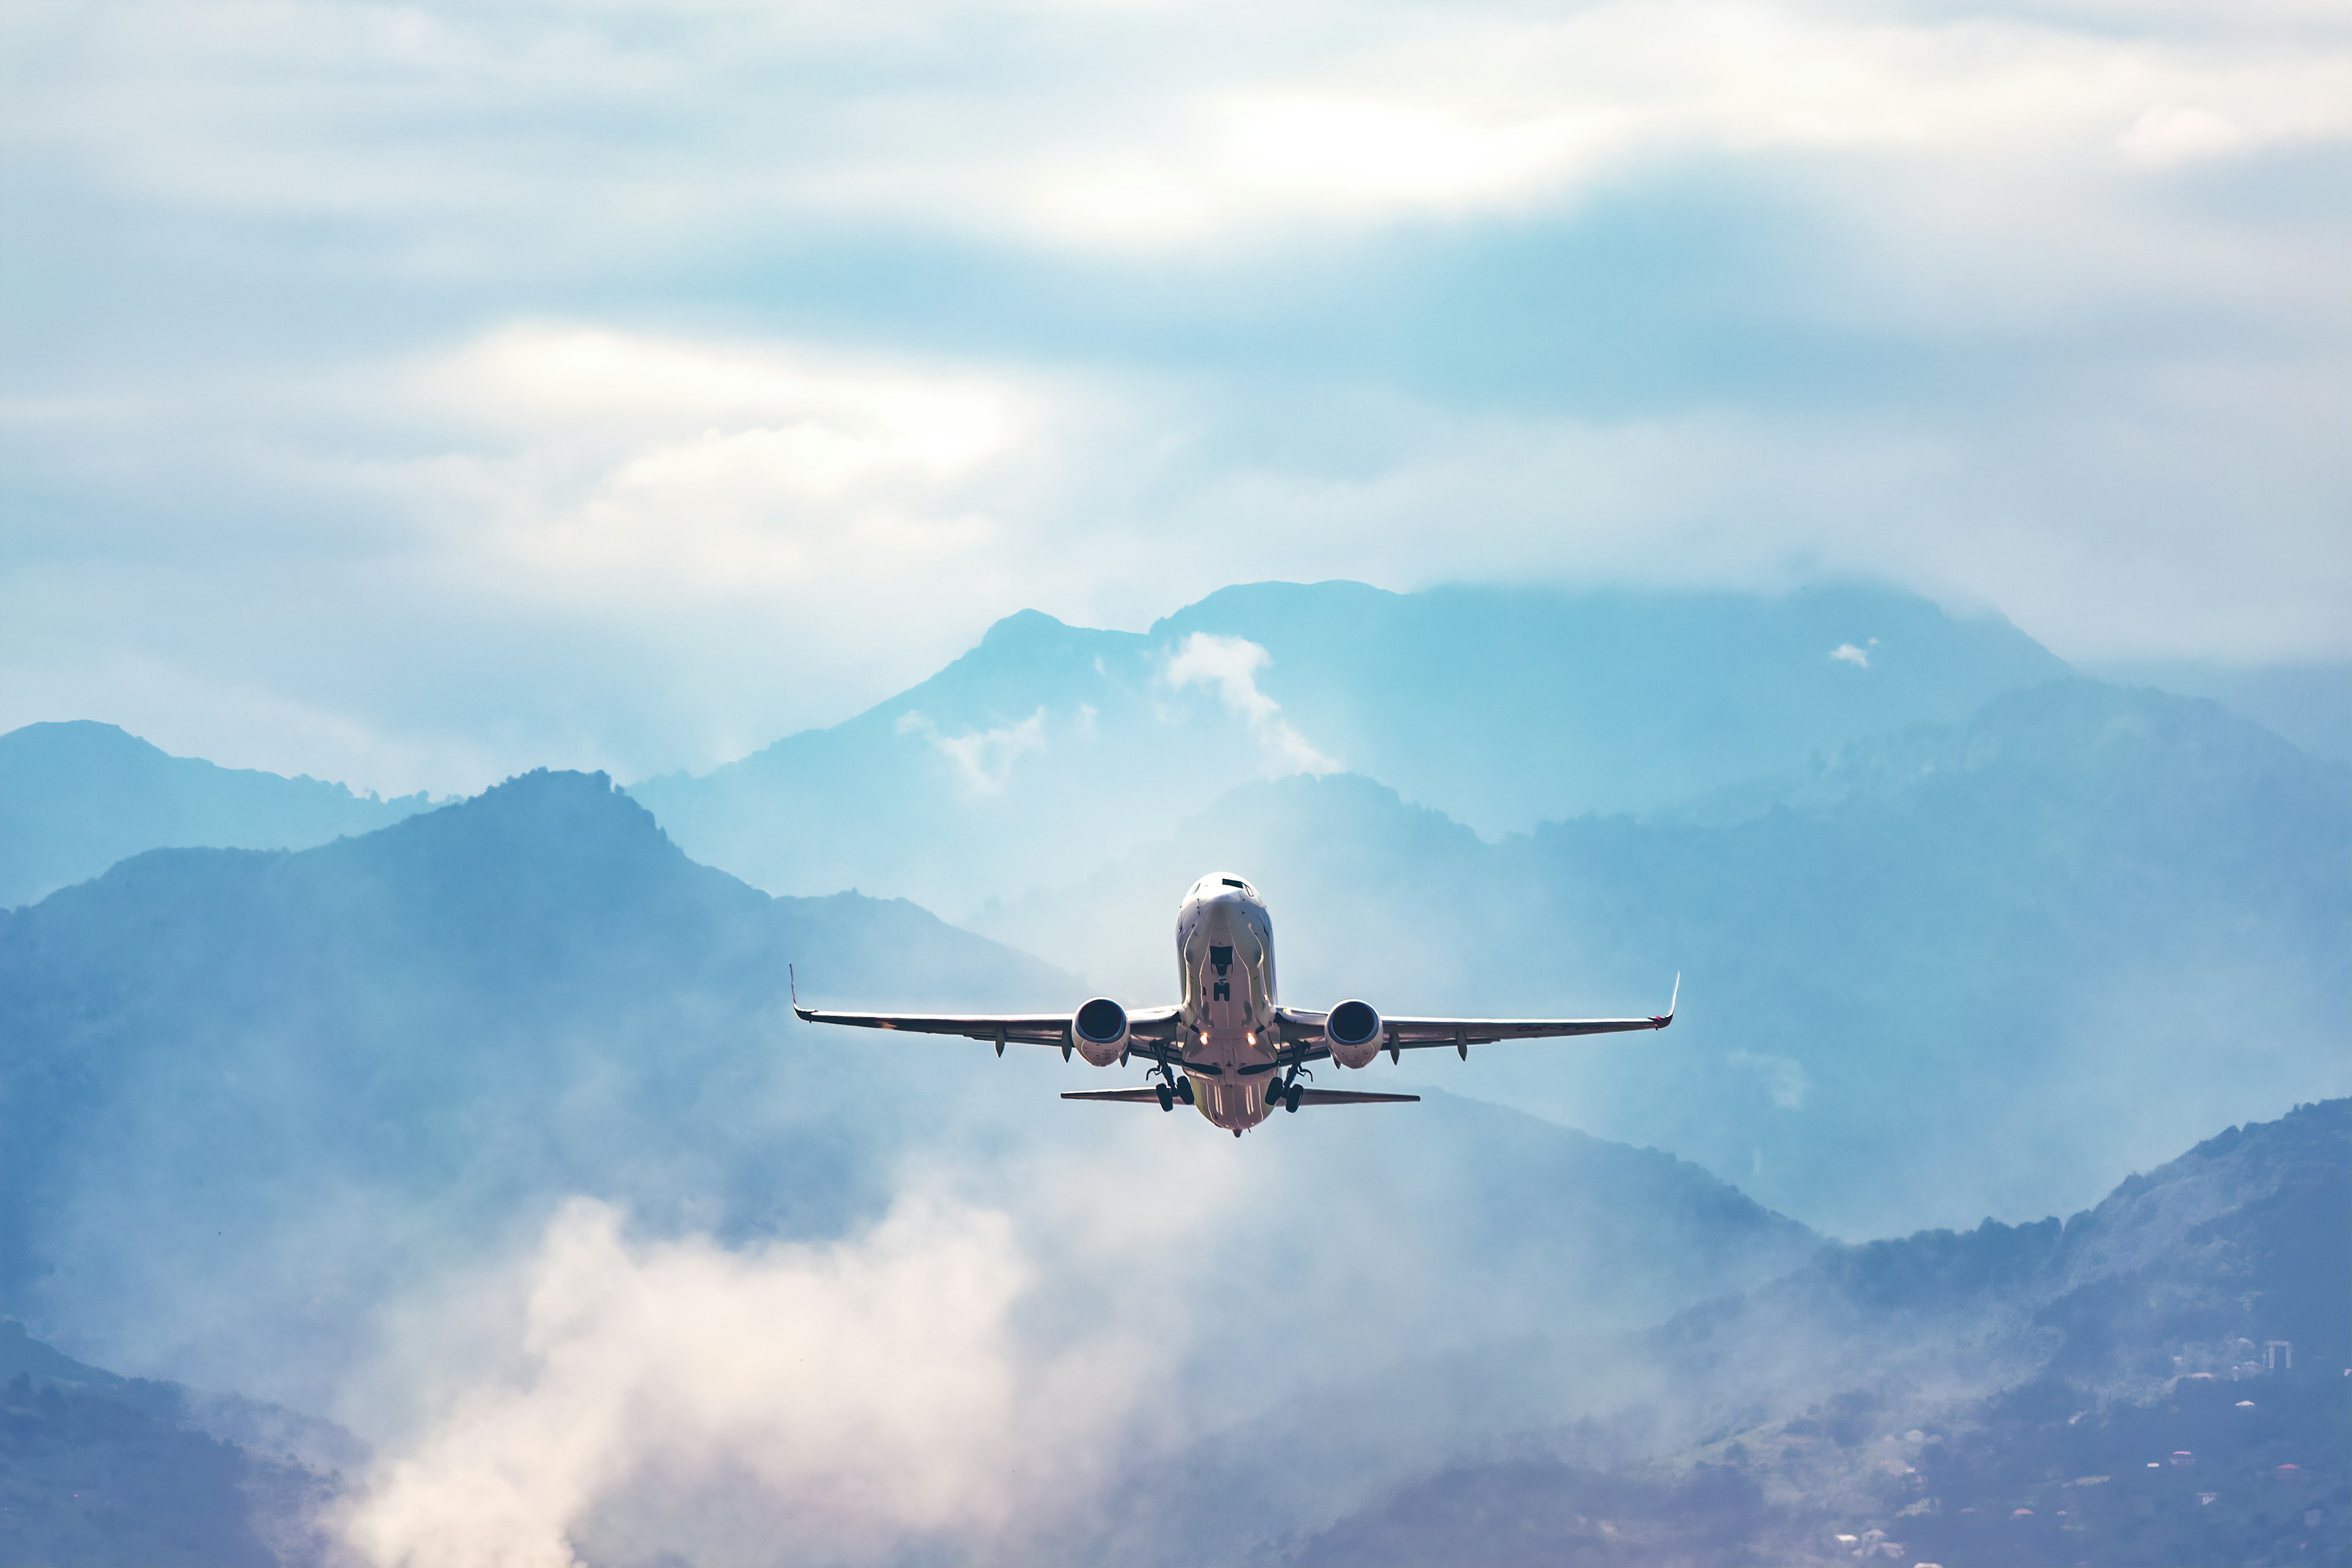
<point x="1660" y="1021"/>
<point x="792" y="982"/>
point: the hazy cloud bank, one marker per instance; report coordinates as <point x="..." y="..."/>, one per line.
<point x="698" y="375"/>
<point x="852" y="1396"/>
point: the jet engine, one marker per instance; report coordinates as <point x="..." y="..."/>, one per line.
<point x="1353" y="1032"/>
<point x="1099" y="1031"/>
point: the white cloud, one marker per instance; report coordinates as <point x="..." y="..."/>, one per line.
<point x="1005" y="1368"/>
<point x="1229" y="666"/>
<point x="983" y="759"/>
<point x="618" y="463"/>
<point x="627" y="126"/>
<point x="2168" y="135"/>
<point x="1784" y="1078"/>
<point x="1846" y="653"/>
<point x="857" y="413"/>
<point x="636" y="583"/>
<point x="868" y="1392"/>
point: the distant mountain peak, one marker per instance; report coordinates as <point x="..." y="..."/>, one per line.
<point x="540" y="784"/>
<point x="78" y="795"/>
<point x="1023" y="627"/>
<point x="1330" y="596"/>
<point x="76" y="731"/>
<point x="557" y="811"/>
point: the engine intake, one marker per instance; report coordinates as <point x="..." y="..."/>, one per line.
<point x="1099" y="1031"/>
<point x="1353" y="1032"/>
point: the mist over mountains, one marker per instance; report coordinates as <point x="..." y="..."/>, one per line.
<point x="488" y="1131"/>
<point x="1927" y="888"/>
<point x="2158" y="1379"/>
<point x="311" y="1124"/>
<point x="1050" y="748"/>
<point x="99" y="1468"/>
<point x="1957" y="939"/>
<point x="2155" y="1380"/>
<point x="236" y="1068"/>
<point x="1869" y="833"/>
<point x="275" y="1089"/>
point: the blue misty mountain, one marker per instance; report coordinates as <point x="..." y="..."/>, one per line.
<point x="2124" y="1387"/>
<point x="1050" y="748"/>
<point x="255" y="1097"/>
<point x="264" y="1088"/>
<point x="2074" y="930"/>
<point x="2186" y="1269"/>
<point x="2308" y="701"/>
<point x="99" y="1468"/>
<point x="77" y="798"/>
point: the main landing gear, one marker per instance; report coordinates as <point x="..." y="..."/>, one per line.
<point x="1182" y="1090"/>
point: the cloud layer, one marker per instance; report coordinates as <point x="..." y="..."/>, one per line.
<point x="416" y="393"/>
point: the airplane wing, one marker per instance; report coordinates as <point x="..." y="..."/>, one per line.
<point x="1461" y="1034"/>
<point x="1149" y="1027"/>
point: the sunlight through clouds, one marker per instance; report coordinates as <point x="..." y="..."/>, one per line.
<point x="726" y="469"/>
<point x="730" y="366"/>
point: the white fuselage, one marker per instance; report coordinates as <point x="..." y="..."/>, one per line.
<point x="1224" y="964"/>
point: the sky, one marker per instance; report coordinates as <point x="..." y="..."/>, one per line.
<point x="412" y="394"/>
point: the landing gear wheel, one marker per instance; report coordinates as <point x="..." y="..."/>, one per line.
<point x="1167" y="1098"/>
<point x="1290" y="1101"/>
<point x="1184" y="1090"/>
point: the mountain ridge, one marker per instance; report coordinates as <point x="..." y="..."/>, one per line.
<point x="77" y="796"/>
<point x="1036" y="748"/>
<point x="454" y="1024"/>
<point x="1885" y="978"/>
<point x="2092" y="1389"/>
<point x="455" y="1016"/>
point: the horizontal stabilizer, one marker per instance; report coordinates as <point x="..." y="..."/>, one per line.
<point x="1305" y="1097"/>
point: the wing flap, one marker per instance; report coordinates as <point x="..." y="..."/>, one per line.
<point x="1149" y="1026"/>
<point x="1460" y="1034"/>
<point x="1026" y="1028"/>
<point x="1415" y="1033"/>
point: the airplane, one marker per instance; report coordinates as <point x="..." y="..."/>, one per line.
<point x="1230" y="1049"/>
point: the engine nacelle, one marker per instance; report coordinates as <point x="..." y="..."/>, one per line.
<point x="1099" y="1031"/>
<point x="1353" y="1032"/>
